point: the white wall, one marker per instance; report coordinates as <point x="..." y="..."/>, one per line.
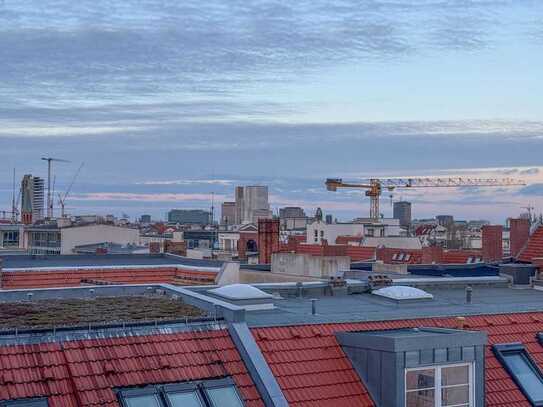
<point x="309" y="266"/>
<point x="390" y="227"/>
<point x="92" y="234"/>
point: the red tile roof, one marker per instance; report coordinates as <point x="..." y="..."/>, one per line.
<point x="460" y="256"/>
<point x="74" y="277"/>
<point x="360" y="253"/>
<point x="344" y="239"/>
<point x="312" y="369"/>
<point x="84" y="373"/>
<point x="534" y="247"/>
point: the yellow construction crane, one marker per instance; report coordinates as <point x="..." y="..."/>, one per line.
<point x="375" y="186"/>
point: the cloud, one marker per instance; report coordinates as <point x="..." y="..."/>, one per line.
<point x="164" y="197"/>
<point x="532" y="190"/>
<point x="222" y="182"/>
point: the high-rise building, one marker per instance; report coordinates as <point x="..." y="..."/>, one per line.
<point x="445" y="220"/>
<point x="189" y="216"/>
<point x="402" y="212"/>
<point x="228" y="213"/>
<point x="145" y="219"/>
<point x="292" y="217"/>
<point x="252" y="204"/>
<point x="32" y="199"/>
<point x="291" y="212"/>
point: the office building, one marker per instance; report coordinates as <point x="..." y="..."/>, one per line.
<point x="228" y="213"/>
<point x="189" y="216"/>
<point x="32" y="199"/>
<point x="252" y="204"/>
<point x="145" y="219"/>
<point x="292" y="218"/>
<point x="402" y="212"/>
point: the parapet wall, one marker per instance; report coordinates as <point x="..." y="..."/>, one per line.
<point x="64" y="277"/>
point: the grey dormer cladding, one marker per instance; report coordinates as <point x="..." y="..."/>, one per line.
<point x="381" y="357"/>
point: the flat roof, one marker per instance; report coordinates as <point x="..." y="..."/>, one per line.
<point x="67" y="312"/>
<point x="447" y="301"/>
<point x="91" y="260"/>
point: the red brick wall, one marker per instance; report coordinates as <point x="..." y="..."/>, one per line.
<point x="154" y="247"/>
<point x="519" y="235"/>
<point x="492" y="243"/>
<point x="244" y="237"/>
<point x="268" y="239"/>
<point x="178" y="248"/>
<point x="72" y="278"/>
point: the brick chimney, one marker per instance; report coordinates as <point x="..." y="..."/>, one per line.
<point x="432" y="254"/>
<point x="492" y="243"/>
<point x="268" y="239"/>
<point x="292" y="244"/>
<point x="518" y="235"/>
<point x="154" y="247"/>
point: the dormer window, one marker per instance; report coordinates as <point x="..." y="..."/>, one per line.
<point x="419" y="367"/>
<point x="439" y="386"/>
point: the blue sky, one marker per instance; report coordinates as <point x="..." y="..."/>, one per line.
<point x="166" y="101"/>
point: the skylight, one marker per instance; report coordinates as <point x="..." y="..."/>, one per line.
<point x="522" y="370"/>
<point x="207" y="393"/>
<point x="240" y="292"/>
<point x="403" y="293"/>
<point x="29" y="402"/>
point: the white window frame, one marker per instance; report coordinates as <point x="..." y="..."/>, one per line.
<point x="437" y="387"/>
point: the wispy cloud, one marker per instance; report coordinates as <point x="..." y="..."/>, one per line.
<point x="164" y="197"/>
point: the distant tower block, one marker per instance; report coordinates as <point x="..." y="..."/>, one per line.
<point x="402" y="211"/>
<point x="32" y="199"/>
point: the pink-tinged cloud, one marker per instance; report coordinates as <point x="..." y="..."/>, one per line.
<point x="163" y="197"/>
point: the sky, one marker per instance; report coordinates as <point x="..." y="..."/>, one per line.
<point x="166" y="102"/>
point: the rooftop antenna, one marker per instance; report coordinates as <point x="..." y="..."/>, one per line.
<point x="13" y="207"/>
<point x="49" y="195"/>
<point x="529" y="208"/>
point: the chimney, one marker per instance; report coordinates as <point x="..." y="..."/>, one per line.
<point x="292" y="244"/>
<point x="154" y="248"/>
<point x="268" y="239"/>
<point x="518" y="235"/>
<point x="492" y="243"/>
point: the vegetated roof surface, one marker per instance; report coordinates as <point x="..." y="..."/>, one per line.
<point x="100" y="310"/>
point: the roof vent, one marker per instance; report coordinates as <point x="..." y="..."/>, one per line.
<point x="403" y="293"/>
<point x="244" y="295"/>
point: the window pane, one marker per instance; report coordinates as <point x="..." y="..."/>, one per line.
<point x="189" y="399"/>
<point x="522" y="370"/>
<point x="422" y="398"/>
<point x="149" y="400"/>
<point x="452" y="396"/>
<point x="224" y="397"/>
<point x="419" y="379"/>
<point x="454" y="375"/>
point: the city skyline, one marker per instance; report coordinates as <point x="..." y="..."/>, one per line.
<point x="166" y="104"/>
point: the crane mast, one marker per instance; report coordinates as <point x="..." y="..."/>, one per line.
<point x="374" y="186"/>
